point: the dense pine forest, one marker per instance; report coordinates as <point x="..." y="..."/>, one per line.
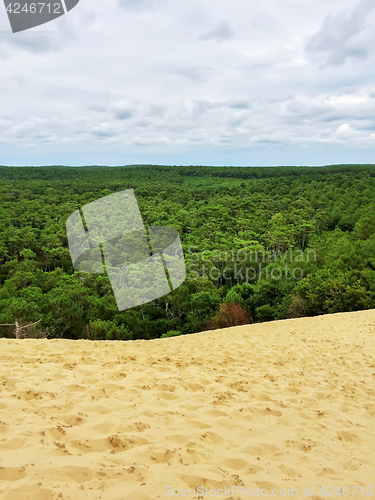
<point x="260" y="244"/>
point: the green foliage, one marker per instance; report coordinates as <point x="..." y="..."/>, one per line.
<point x="107" y="330"/>
<point x="171" y="333"/>
<point x="265" y="313"/>
<point x="230" y="220"/>
<point x="340" y="292"/>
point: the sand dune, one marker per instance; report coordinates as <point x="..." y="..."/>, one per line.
<point x="281" y="405"/>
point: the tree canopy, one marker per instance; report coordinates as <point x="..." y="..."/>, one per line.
<point x="270" y="242"/>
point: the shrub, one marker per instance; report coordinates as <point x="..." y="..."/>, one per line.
<point x="171" y="333"/>
<point x="106" y="330"/>
<point x="265" y="313"/>
<point x="230" y="314"/>
<point x="297" y="308"/>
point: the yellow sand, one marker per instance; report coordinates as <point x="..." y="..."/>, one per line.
<point x="274" y="406"/>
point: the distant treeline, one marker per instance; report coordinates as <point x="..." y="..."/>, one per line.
<point x="260" y="243"/>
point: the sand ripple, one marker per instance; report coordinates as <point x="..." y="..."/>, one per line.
<point x="272" y="405"/>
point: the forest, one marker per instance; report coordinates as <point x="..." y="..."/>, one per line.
<point x="260" y="244"/>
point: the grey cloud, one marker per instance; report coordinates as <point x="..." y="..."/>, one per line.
<point x="158" y="110"/>
<point x="137" y="5"/>
<point x="143" y="123"/>
<point x="347" y="91"/>
<point x="223" y="32"/>
<point x="239" y="105"/>
<point x="122" y="110"/>
<point x="35" y="42"/>
<point x="134" y="82"/>
<point x="334" y="43"/>
<point x="102" y="132"/>
<point x="100" y="107"/>
<point x="334" y="117"/>
<point x="324" y="117"/>
<point x="303" y="110"/>
<point x="238" y="119"/>
<point x="56" y="36"/>
<point x="144" y="141"/>
<point x="195" y="73"/>
<point x="268" y="141"/>
<point x="195" y="108"/>
<point x="123" y="114"/>
<point x="300" y="112"/>
<point x="199" y="108"/>
<point x="366" y="125"/>
<point x="11" y="83"/>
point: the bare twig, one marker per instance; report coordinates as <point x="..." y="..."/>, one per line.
<point x="31" y="324"/>
<point x="19" y="328"/>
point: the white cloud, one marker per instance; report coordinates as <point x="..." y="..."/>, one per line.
<point x="139" y="5"/>
<point x="190" y="82"/>
<point x="339" y="39"/>
<point x="195" y="73"/>
<point x="221" y="33"/>
<point x="122" y="110"/>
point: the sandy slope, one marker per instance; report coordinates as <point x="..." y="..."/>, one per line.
<point x="276" y="405"/>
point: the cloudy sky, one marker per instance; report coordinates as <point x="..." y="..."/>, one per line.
<point x="187" y="82"/>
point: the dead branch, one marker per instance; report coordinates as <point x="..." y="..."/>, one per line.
<point x="31" y="324"/>
<point x="19" y="328"/>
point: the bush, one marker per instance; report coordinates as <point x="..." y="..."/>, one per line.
<point x="265" y="313"/>
<point x="341" y="292"/>
<point x="106" y="330"/>
<point x="171" y="333"/>
<point x="231" y="314"/>
<point x="297" y="308"/>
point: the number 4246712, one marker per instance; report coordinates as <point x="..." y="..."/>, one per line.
<point x="34" y="8"/>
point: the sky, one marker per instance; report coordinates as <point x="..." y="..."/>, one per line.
<point x="191" y="82"/>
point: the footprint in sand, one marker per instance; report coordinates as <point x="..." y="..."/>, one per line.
<point x="12" y="444"/>
<point x="329" y="473"/>
<point x="215" y="439"/>
<point x="73" y="420"/>
<point x="11" y="473"/>
<point x="71" y="474"/>
<point x="261" y="450"/>
<point x="288" y="471"/>
<point x="268" y="411"/>
<point x="30" y="492"/>
<point x="347" y="436"/>
<point x="235" y="463"/>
